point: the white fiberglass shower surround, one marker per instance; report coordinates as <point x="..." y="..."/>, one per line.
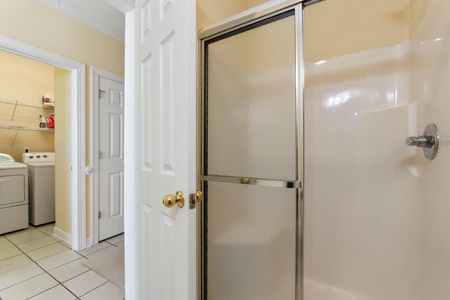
<point x="377" y="212"/>
<point x="311" y="191"/>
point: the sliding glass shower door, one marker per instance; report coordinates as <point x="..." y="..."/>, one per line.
<point x="252" y="168"/>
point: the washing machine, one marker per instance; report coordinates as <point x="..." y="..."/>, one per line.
<point x="13" y="194"/>
<point x="41" y="176"/>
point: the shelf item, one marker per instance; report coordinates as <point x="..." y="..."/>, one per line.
<point x="49" y="105"/>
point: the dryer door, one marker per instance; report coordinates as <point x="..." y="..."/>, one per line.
<point x="12" y="190"/>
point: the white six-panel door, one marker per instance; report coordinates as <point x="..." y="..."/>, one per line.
<point x="164" y="127"/>
<point x="110" y="157"/>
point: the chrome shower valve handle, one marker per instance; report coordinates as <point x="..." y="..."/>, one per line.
<point x="429" y="141"/>
<point x="420" y="141"/>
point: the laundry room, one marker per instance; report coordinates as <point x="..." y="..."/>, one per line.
<point x="34" y="121"/>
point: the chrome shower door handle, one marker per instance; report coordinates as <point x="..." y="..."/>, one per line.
<point x="429" y="141"/>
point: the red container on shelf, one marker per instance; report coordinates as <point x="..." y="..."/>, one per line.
<point x="51" y="121"/>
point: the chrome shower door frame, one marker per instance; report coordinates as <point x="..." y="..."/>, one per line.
<point x="240" y="21"/>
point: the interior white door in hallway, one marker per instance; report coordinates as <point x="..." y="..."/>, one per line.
<point x="161" y="241"/>
<point x="110" y="157"/>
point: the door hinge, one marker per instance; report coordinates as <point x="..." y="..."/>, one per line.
<point x="99" y="154"/>
<point x="99" y="214"/>
<point x="100" y="93"/>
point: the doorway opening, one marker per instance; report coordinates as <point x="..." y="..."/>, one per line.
<point x="76" y="149"/>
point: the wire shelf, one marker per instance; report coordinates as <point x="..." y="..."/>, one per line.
<point x="18" y="127"/>
<point x="23" y="103"/>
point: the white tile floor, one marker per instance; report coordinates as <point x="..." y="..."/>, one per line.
<point x="35" y="265"/>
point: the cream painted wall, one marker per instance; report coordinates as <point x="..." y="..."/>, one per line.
<point x="37" y="24"/>
<point x="357" y="26"/>
<point x="27" y="81"/>
<point x="252" y="3"/>
<point x="63" y="142"/>
<point x="210" y="12"/>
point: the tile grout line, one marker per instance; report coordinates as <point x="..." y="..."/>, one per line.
<point x="108" y="280"/>
<point x="45" y="271"/>
<point x="101" y="249"/>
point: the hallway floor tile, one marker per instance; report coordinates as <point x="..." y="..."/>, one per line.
<point x="36" y="265"/>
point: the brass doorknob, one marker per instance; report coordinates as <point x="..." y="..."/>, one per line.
<point x="170" y="200"/>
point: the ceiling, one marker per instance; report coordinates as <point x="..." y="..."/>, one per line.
<point x="95" y="13"/>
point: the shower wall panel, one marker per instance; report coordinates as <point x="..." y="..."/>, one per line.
<point x="430" y="69"/>
<point x="361" y="201"/>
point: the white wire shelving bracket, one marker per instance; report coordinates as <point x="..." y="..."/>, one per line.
<point x="18" y="127"/>
<point x="23" y="103"/>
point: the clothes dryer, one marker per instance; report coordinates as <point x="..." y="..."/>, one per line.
<point x="41" y="174"/>
<point x="13" y="194"/>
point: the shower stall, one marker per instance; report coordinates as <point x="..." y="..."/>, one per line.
<point x="310" y="189"/>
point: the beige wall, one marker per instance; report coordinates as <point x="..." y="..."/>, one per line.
<point x="348" y="26"/>
<point x="62" y="143"/>
<point x="252" y="3"/>
<point x="210" y="12"/>
<point x="37" y="24"/>
<point x="27" y="81"/>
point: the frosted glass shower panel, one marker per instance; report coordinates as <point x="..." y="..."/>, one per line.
<point x="251" y="238"/>
<point x="251" y="102"/>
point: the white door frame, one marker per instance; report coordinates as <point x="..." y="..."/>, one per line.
<point x="78" y="136"/>
<point x="131" y="206"/>
<point x="95" y="139"/>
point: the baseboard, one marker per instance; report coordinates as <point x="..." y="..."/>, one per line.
<point x="88" y="243"/>
<point x="62" y="235"/>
